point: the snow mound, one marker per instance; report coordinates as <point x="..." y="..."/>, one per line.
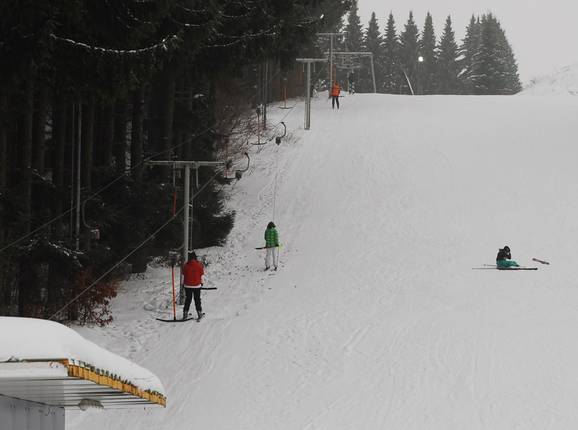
<point x="29" y="339"/>
<point x="562" y="83"/>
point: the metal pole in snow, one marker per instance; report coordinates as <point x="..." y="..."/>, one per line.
<point x="308" y="98"/>
<point x="373" y="74"/>
<point x="72" y="146"/>
<point x="307" y="124"/>
<point x="265" y="93"/>
<point x="187" y="204"/>
<point x="187" y="194"/>
<point x="330" y="63"/>
<point x="192" y="204"/>
<point x="408" y="82"/>
<point x="174" y="294"/>
<point x="78" y="177"/>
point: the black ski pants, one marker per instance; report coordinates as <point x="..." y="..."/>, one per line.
<point x="334" y="99"/>
<point x="189" y="294"/>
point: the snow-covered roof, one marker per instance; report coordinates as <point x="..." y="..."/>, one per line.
<point x="38" y="354"/>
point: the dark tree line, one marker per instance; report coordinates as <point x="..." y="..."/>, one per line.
<point x="483" y="63"/>
<point x="125" y="81"/>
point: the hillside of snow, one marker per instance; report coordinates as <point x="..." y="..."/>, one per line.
<point x="561" y="83"/>
<point x="375" y="319"/>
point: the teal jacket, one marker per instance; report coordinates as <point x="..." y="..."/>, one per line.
<point x="271" y="238"/>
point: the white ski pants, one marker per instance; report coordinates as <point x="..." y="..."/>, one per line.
<point x="272" y="256"/>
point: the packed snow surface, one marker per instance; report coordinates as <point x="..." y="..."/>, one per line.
<point x="29" y="339"/>
<point x="375" y="319"/>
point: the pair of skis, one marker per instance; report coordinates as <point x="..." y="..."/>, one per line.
<point x="189" y="318"/>
<point x="175" y="319"/>
<point x="495" y="267"/>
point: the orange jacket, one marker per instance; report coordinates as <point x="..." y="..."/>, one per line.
<point x="335" y="90"/>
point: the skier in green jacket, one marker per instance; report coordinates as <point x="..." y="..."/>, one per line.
<point x="272" y="246"/>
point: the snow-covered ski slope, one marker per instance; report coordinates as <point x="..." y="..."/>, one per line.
<point x="375" y="319"/>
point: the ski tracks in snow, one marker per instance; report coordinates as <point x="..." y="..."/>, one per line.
<point x="375" y="319"/>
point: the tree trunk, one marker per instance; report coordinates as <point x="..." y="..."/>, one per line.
<point x="27" y="146"/>
<point x="163" y="105"/>
<point x="120" y="136"/>
<point x="88" y="142"/>
<point x="69" y="171"/>
<point x="136" y="147"/>
<point x="108" y="135"/>
<point x="39" y="133"/>
<point x="3" y="142"/>
<point x="168" y="114"/>
<point x="58" y="144"/>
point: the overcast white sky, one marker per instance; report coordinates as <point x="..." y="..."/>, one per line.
<point x="543" y="33"/>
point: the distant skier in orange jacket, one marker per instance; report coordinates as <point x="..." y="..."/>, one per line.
<point x="335" y="91"/>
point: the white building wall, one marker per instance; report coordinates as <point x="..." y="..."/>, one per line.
<point x="16" y="414"/>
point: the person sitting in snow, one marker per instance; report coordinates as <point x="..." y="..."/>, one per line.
<point x="193" y="272"/>
<point x="504" y="259"/>
<point x="272" y="246"/>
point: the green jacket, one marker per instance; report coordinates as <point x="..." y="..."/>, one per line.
<point x="271" y="238"/>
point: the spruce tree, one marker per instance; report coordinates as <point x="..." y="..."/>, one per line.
<point x="427" y="67"/>
<point x="511" y="78"/>
<point x="494" y="69"/>
<point x="354" y="38"/>
<point x="392" y="78"/>
<point x="372" y="43"/>
<point x="448" y="67"/>
<point x="353" y="41"/>
<point x="409" y="52"/>
<point x="468" y="51"/>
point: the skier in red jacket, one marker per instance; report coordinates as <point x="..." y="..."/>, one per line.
<point x="193" y="272"/>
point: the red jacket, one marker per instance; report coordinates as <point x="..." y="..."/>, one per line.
<point x="193" y="272"/>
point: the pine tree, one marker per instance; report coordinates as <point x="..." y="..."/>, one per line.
<point x="392" y="78"/>
<point x="428" y="58"/>
<point x="354" y="38"/>
<point x="494" y="69"/>
<point x="409" y="52"/>
<point x="372" y="43"/>
<point x="448" y="68"/>
<point x="468" y="50"/>
<point x="511" y="78"/>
